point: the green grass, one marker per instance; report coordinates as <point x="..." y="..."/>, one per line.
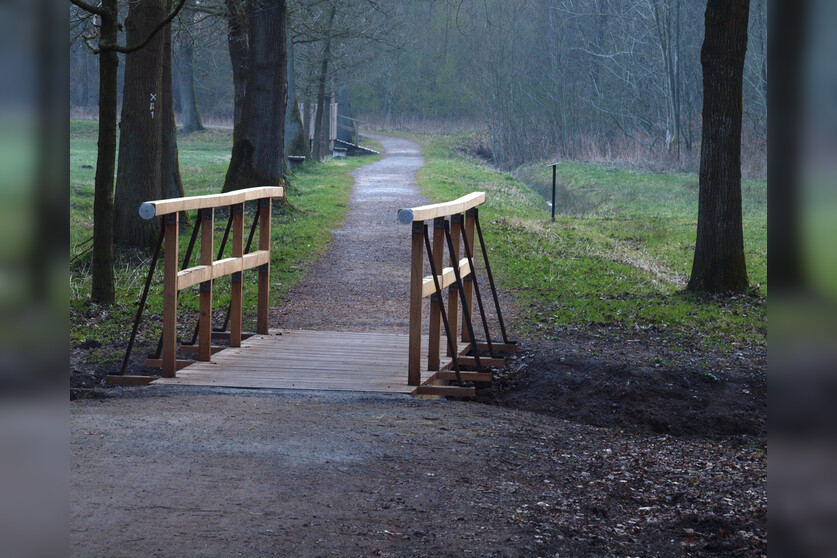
<point x="618" y="253"/>
<point x="317" y="201"/>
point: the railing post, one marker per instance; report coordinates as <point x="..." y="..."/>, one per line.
<point x="453" y="291"/>
<point x="205" y="323"/>
<point x="467" y="282"/>
<point x="416" y="277"/>
<point x="235" y="283"/>
<point x="263" y="304"/>
<point x="434" y="342"/>
<point x="169" y="363"/>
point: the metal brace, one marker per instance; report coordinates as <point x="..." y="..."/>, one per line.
<point x="238" y="208"/>
<point x="236" y="277"/>
<point x="264" y="268"/>
<point x="206" y="286"/>
<point x="206" y="213"/>
<point x="418" y="227"/>
<point x="170" y="219"/>
<point x="264" y="202"/>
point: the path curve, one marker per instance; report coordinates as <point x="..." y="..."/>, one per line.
<point x="362" y="282"/>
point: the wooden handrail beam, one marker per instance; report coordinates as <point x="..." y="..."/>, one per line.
<point x="156" y="208"/>
<point x="426" y="212"/>
<point x="220" y="268"/>
<point x="447" y="278"/>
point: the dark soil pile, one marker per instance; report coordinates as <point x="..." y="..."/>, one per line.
<point x="637" y="385"/>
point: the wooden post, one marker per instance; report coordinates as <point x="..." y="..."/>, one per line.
<point x="434" y="343"/>
<point x="235" y="285"/>
<point x="468" y="285"/>
<point x="453" y="291"/>
<point x="169" y="363"/>
<point x="207" y="249"/>
<point x="263" y="304"/>
<point x="416" y="276"/>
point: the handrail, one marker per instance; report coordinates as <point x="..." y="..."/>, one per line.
<point x="209" y="269"/>
<point x="454" y="224"/>
<point x="157" y="208"/>
<point x="425" y="212"/>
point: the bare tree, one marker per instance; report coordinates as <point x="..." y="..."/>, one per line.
<point x="104" y="18"/>
<point x="719" y="264"/>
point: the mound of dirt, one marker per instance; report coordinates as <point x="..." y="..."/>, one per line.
<point x="561" y="378"/>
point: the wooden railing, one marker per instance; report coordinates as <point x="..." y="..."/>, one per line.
<point x="454" y="225"/>
<point x="175" y="280"/>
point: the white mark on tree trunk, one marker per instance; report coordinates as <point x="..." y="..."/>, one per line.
<point x="151" y="104"/>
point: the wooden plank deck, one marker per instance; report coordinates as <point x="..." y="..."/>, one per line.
<point x="311" y="360"/>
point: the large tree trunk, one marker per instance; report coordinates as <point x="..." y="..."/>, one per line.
<point x="239" y="57"/>
<point x="319" y="152"/>
<point x="140" y="139"/>
<point x="186" y="81"/>
<point x="719" y="264"/>
<point x="172" y="185"/>
<point x="102" y="270"/>
<point x="257" y="153"/>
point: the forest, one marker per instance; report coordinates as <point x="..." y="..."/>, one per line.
<point x="596" y="80"/>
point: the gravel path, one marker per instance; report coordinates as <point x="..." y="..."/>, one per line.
<point x="362" y="282"/>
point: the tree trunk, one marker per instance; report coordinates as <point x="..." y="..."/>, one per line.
<point x="295" y="141"/>
<point x="239" y="57"/>
<point x="140" y="139"/>
<point x="102" y="270"/>
<point x="719" y="264"/>
<point x="258" y="151"/>
<point x="319" y="152"/>
<point x="172" y="185"/>
<point x="186" y="81"/>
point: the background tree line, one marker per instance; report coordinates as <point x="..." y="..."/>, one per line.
<point x="603" y="79"/>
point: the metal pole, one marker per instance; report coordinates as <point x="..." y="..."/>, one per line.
<point x="553" y="191"/>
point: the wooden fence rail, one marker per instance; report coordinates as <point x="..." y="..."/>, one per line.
<point x="453" y="231"/>
<point x="175" y="280"/>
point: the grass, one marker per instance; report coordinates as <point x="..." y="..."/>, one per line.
<point x="617" y="255"/>
<point x="317" y="201"/>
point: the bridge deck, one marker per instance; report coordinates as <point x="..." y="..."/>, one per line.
<point x="314" y="360"/>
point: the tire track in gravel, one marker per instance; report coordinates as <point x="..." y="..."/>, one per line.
<point x="362" y="282"/>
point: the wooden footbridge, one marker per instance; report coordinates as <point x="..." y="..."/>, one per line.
<point x="447" y="360"/>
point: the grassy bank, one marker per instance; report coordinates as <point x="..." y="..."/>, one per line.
<point x="618" y="254"/>
<point x="317" y="201"/>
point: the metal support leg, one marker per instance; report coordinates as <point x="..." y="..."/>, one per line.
<point x="441" y="306"/>
<point x="491" y="278"/>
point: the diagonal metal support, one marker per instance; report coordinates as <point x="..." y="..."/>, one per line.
<point x="490" y="278"/>
<point x="143" y="298"/>
<point x="246" y="251"/>
<point x="442" y="306"/>
<point x="476" y="291"/>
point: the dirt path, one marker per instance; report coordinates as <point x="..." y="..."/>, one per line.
<point x="362" y="282"/>
<point x="185" y="471"/>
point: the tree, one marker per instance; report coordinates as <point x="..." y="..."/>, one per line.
<point x="319" y="140"/>
<point x="257" y="153"/>
<point x="239" y="56"/>
<point x="719" y="264"/>
<point x="106" y="16"/>
<point x="186" y="83"/>
<point x="147" y="140"/>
